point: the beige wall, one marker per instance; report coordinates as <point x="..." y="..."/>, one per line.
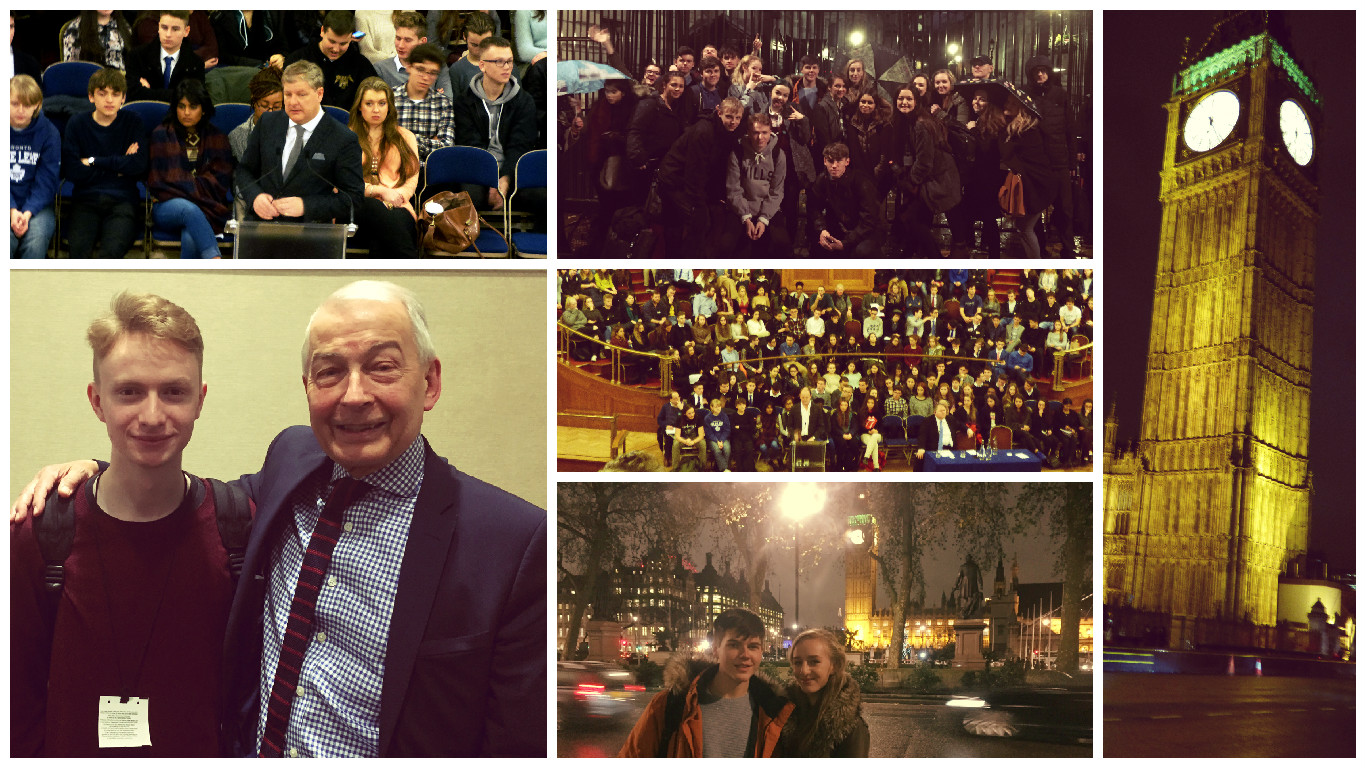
<point x="488" y="328"/>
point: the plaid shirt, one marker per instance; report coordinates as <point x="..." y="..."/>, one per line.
<point x="896" y="406"/>
<point x="431" y="120"/>
<point x="336" y="709"/>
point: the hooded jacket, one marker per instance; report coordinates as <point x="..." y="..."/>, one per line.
<point x="842" y="732"/>
<point x="35" y="159"/>
<point x="754" y="181"/>
<point x="505" y="126"/>
<point x="1055" y="115"/>
<point x="684" y="676"/>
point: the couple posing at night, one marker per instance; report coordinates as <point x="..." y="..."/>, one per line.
<point x="728" y="708"/>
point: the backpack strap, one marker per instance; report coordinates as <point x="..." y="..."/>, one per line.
<point x="232" y="510"/>
<point x="55" y="530"/>
<point x="673" y="717"/>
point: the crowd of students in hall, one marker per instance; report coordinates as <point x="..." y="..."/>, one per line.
<point x="410" y="82"/>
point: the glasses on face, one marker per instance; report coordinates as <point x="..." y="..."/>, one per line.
<point x="504" y="63"/>
<point x="426" y="72"/>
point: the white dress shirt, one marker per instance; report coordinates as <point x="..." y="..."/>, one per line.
<point x="291" y="133"/>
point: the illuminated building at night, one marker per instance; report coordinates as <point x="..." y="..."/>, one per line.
<point x="1204" y="516"/>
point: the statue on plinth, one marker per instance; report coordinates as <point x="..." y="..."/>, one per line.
<point x="967" y="591"/>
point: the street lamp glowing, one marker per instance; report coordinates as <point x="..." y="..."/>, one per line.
<point x="802" y="500"/>
<point x="856" y="38"/>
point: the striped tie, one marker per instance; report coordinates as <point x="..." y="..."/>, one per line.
<point x="299" y="629"/>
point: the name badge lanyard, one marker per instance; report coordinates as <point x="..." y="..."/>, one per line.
<point x="126" y="684"/>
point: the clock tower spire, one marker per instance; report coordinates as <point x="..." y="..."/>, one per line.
<point x="1224" y="491"/>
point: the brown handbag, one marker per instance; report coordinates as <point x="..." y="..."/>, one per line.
<point x="455" y="228"/>
<point x="1011" y="195"/>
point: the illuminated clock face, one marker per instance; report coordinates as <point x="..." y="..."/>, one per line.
<point x="1211" y="121"/>
<point x="856" y="536"/>
<point x="1295" y="132"/>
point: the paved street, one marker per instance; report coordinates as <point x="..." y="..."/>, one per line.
<point x="1213" y="716"/>
<point x="897" y="729"/>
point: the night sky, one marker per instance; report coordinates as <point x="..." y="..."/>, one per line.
<point x="1142" y="52"/>
<point x="822" y="584"/>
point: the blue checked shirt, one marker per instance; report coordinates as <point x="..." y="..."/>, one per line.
<point x="431" y="120"/>
<point x="336" y="709"/>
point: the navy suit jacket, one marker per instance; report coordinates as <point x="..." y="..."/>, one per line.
<point x="465" y="668"/>
<point x="331" y="159"/>
<point x="145" y="61"/>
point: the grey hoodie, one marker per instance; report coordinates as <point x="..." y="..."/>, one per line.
<point x="494" y="109"/>
<point x="754" y="180"/>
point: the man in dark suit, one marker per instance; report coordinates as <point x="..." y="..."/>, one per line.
<point x="284" y="179"/>
<point x="155" y="69"/>
<point x="936" y="433"/>
<point x="808" y="421"/>
<point x="463" y="669"/>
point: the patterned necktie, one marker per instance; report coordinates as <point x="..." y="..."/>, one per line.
<point x="295" y="151"/>
<point x="166" y="73"/>
<point x="299" y="628"/>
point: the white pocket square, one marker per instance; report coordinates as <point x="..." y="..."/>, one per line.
<point x="319" y="156"/>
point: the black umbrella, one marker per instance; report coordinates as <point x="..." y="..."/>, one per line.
<point x="898" y="76"/>
<point x="997" y="92"/>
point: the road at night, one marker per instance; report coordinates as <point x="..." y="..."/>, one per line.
<point x="1212" y="716"/>
<point x="896" y="729"/>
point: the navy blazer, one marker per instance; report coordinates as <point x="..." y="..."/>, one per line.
<point x="330" y="160"/>
<point x="465" y="668"/>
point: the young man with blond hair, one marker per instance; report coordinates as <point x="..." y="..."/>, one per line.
<point x="126" y="658"/>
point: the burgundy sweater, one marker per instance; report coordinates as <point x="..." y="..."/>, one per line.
<point x="143" y="613"/>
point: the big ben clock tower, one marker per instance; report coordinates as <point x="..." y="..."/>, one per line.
<point x="1224" y="484"/>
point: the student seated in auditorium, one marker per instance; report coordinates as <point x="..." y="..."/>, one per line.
<point x="494" y="113"/>
<point x="410" y="31"/>
<point x="342" y="64"/>
<point x="422" y="109"/>
<point x="155" y="69"/>
<point x="35" y="163"/>
<point x="479" y="26"/>
<point x="104" y="155"/>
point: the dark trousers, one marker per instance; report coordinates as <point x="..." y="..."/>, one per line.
<point x="869" y="247"/>
<point x="915" y="220"/>
<point x="1060" y="221"/>
<point x="742" y="451"/>
<point x="388" y="233"/>
<point x="775" y="243"/>
<point x="666" y="443"/>
<point x="686" y="225"/>
<point x="111" y="221"/>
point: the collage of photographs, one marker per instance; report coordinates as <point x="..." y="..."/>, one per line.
<point x="742" y="241"/>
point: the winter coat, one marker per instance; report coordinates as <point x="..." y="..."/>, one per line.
<point x="685" y="676"/>
<point x="1025" y="155"/>
<point x="842" y="732"/>
<point x="694" y="169"/>
<point x="754" y="181"/>
<point x="653" y="129"/>
<point x="932" y="174"/>
<point x="846" y="207"/>
<point x="828" y="122"/>
<point x="1055" y="115"/>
